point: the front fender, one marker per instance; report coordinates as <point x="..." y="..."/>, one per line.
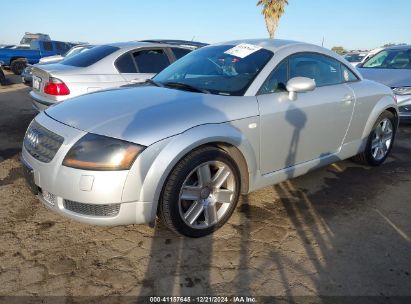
<point x="182" y="144"/>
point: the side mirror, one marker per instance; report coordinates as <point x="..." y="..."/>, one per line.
<point x="300" y="85"/>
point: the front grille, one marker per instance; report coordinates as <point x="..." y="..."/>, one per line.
<point x="41" y="143"/>
<point x="92" y="209"/>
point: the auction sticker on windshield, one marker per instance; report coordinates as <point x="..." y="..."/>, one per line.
<point x="243" y="50"/>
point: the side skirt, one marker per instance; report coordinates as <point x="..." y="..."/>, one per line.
<point x="348" y="150"/>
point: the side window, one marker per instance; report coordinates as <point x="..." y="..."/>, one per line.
<point x="125" y="64"/>
<point x="347" y="74"/>
<point x="324" y="70"/>
<point x="180" y="52"/>
<point x="47" y="46"/>
<point x="151" y="61"/>
<point x="277" y="81"/>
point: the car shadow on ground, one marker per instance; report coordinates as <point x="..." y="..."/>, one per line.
<point x="10" y="78"/>
<point x="15" y="120"/>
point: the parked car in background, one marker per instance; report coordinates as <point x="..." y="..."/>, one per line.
<point x="392" y="67"/>
<point x="20" y="47"/>
<point x="355" y="58"/>
<point x="184" y="43"/>
<point x="17" y="59"/>
<point x="6" y="46"/>
<point x="102" y="67"/>
<point x="27" y="74"/>
<point x="224" y="120"/>
<point x="77" y="49"/>
<point x="372" y="53"/>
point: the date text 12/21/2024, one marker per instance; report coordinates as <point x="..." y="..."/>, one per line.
<point x="204" y="299"/>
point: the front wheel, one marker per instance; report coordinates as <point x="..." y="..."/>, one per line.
<point x="201" y="192"/>
<point x="380" y="140"/>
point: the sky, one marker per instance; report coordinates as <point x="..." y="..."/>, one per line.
<point x="353" y="24"/>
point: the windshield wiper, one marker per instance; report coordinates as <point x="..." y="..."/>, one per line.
<point x="157" y="84"/>
<point x="187" y="87"/>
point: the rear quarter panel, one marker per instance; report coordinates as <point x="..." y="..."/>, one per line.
<point x="83" y="84"/>
<point x="80" y="81"/>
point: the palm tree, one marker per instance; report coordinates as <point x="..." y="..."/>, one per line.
<point x="272" y="11"/>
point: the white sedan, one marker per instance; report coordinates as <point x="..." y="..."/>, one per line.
<point x="102" y="67"/>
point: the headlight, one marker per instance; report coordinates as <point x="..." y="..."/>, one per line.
<point x="402" y="91"/>
<point x="96" y="152"/>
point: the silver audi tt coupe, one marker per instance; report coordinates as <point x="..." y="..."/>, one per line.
<point x="224" y="120"/>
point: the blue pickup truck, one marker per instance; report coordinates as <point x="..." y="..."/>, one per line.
<point x="17" y="59"/>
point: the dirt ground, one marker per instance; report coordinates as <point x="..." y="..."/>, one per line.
<point x="344" y="230"/>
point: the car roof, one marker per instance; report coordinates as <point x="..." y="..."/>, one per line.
<point x="83" y="46"/>
<point x="355" y="53"/>
<point x="398" y="47"/>
<point x="177" y="42"/>
<point x="269" y="44"/>
<point x="275" y="45"/>
<point x="126" y="46"/>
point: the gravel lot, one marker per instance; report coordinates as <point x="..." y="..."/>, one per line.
<point x="342" y="230"/>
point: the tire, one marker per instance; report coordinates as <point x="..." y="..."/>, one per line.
<point x="196" y="201"/>
<point x="2" y="77"/>
<point x="17" y="66"/>
<point x="380" y="139"/>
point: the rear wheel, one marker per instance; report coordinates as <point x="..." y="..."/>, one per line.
<point x="17" y="66"/>
<point x="380" y="141"/>
<point x="201" y="193"/>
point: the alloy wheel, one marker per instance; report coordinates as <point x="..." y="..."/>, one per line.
<point x="382" y="139"/>
<point x="207" y="194"/>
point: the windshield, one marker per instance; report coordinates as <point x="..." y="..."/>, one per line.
<point x="354" y="57"/>
<point x="216" y="70"/>
<point x="90" y="57"/>
<point x="390" y="59"/>
<point x="27" y="40"/>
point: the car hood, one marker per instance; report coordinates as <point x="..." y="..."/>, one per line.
<point x="148" y="114"/>
<point x="390" y="77"/>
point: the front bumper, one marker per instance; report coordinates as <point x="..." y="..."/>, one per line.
<point x="93" y="197"/>
<point x="404" y="106"/>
